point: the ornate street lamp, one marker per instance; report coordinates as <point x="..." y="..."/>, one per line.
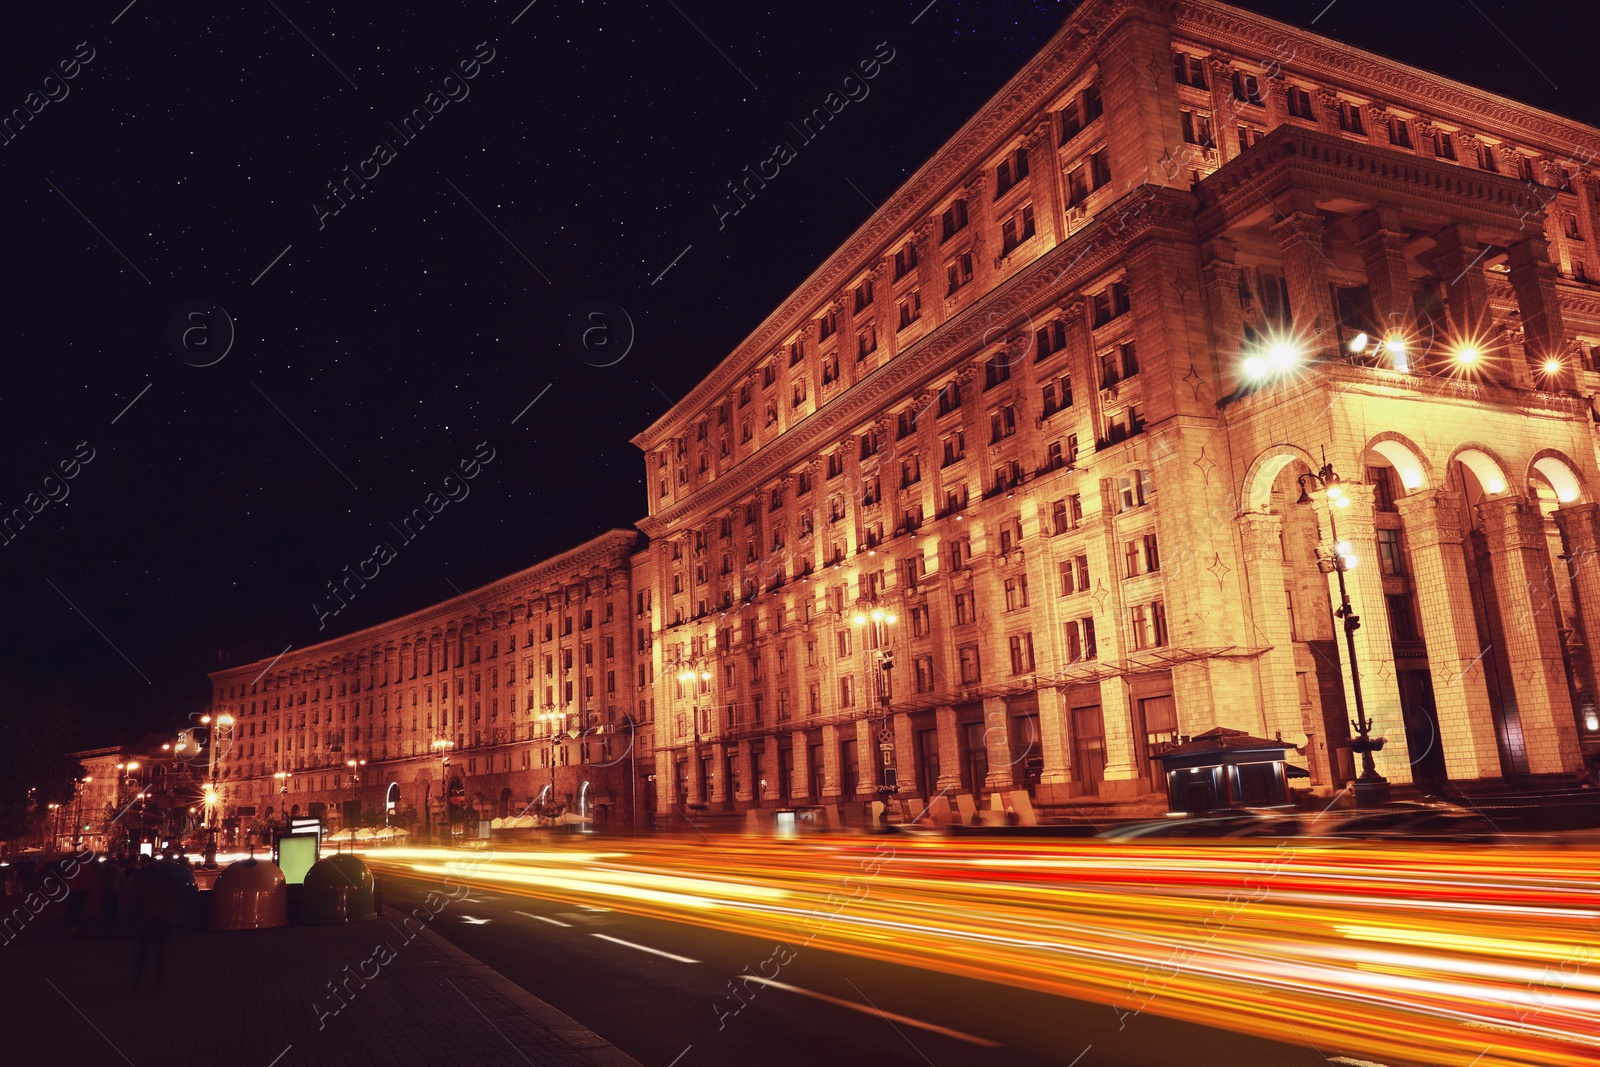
<point x="695" y="675"/>
<point x="443" y="745"/>
<point x="1371" y="788"/>
<point x="880" y="620"/>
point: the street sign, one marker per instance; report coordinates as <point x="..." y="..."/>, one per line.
<point x="885" y="736"/>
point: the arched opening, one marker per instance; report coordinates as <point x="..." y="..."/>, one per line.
<point x="505" y="803"/>
<point x="1559" y="476"/>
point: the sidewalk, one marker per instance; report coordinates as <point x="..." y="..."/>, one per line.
<point x="263" y="998"/>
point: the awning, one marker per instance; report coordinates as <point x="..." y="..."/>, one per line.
<point x="1297" y="772"/>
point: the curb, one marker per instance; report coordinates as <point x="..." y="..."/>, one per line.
<point x="594" y="1048"/>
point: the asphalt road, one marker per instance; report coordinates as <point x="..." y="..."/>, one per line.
<point x="678" y="995"/>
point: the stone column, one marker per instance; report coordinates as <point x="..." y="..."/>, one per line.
<point x="1044" y="164"/>
<point x="746" y="787"/>
<point x="1383" y="250"/>
<point x="1124" y="776"/>
<point x="832" y="779"/>
<point x="1380" y="686"/>
<point x="1219" y="277"/>
<point x="1580" y="529"/>
<point x="997" y="739"/>
<point x="1275" y="95"/>
<point x="1261" y="535"/>
<point x="1056" y="773"/>
<point x="800" y="786"/>
<point x="930" y="271"/>
<point x="905" y="755"/>
<point x="1224" y="110"/>
<point x="1305" y="268"/>
<point x="949" y="751"/>
<point x="1459" y="261"/>
<point x="1455" y="653"/>
<point x="1533" y="276"/>
<point x="1530" y="615"/>
<point x="719" y="782"/>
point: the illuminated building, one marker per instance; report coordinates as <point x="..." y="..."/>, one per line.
<point x="1049" y="405"/>
<point x="492" y="672"/>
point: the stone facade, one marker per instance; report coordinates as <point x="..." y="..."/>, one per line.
<point x="1040" y="430"/>
<point x="519" y="683"/>
<point x="1049" y="409"/>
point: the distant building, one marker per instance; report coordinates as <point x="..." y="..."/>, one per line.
<point x="481" y="680"/>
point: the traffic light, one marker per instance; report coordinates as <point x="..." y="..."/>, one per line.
<point x="1352" y="623"/>
<point x="886" y="659"/>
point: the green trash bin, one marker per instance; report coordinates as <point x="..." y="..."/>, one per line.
<point x="337" y="889"/>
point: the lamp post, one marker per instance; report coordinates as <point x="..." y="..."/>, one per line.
<point x="77" y="818"/>
<point x="443" y="745"/>
<point x="696" y="675"/>
<point x="213" y="796"/>
<point x="355" y="764"/>
<point x="1371" y="788"/>
<point x="880" y="620"/>
<point x="555" y="721"/>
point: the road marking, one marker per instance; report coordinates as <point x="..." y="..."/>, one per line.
<point x="544" y="919"/>
<point x="475" y="922"/>
<point x="863" y="1009"/>
<point x="591" y="907"/>
<point x="644" y="948"/>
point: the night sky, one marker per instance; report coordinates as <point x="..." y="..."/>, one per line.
<point x="422" y="314"/>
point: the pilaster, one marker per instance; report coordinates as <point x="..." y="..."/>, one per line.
<point x="1455" y="657"/>
<point x="1262" y="536"/>
<point x="1530" y="615"/>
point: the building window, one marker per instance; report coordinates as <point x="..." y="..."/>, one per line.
<point x="1080" y="640"/>
<point x="1021" y="653"/>
<point x="827" y="324"/>
<point x="954" y="220"/>
<point x="1350" y="119"/>
<point x="1246" y="89"/>
<point x="958" y="272"/>
<point x="971" y="672"/>
<point x="905" y="260"/>
<point x="1299" y="102"/>
<point x="1066" y="514"/>
<point x="910" y="308"/>
<point x="1057" y="395"/>
<point x="1017" y="229"/>
<point x="863" y="298"/>
<point x="866" y="342"/>
<point x="1111" y="303"/>
<point x="1189" y="70"/>
<point x="906" y="423"/>
<point x="1050" y="340"/>
<point x="1196" y="127"/>
<point x="1080" y="113"/>
<point x="847" y="691"/>
<point x="1016" y="592"/>
<point x="1399" y="132"/>
<point x="1010" y="171"/>
<point x="1002" y="423"/>
<point x="995" y="371"/>
<point x="1391" y="556"/>
<point x="923" y="668"/>
<point x="1444" y="145"/>
<point x="949" y="397"/>
<point x="1249" y="136"/>
<point x="1382" y="488"/>
<point x="1134" y="490"/>
<point x="964" y="609"/>
<point x="1402" y="620"/>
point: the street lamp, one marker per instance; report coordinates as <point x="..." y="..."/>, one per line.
<point x="355" y="766"/>
<point x="555" y="722"/>
<point x="443" y="745"/>
<point x="880" y="619"/>
<point x="224" y="722"/>
<point x="1371" y="787"/>
<point x="283" y="795"/>
<point x="695" y="675"/>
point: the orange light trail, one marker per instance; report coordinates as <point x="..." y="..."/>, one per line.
<point x="1442" y="955"/>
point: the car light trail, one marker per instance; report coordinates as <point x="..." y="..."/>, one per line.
<point x="1441" y="955"/>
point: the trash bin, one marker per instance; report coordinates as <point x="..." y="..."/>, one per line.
<point x="338" y="889"/>
<point x="250" y="895"/>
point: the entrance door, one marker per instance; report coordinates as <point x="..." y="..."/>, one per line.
<point x="1423" y="740"/>
<point x="1089" y="747"/>
<point x="974" y="759"/>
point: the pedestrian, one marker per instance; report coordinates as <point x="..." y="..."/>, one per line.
<point x="154" y="907"/>
<point x="111" y="882"/>
<point x="80" y="882"/>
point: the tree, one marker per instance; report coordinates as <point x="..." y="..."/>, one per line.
<point x="40" y="726"/>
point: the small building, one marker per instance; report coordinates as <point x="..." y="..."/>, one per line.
<point x="1225" y="768"/>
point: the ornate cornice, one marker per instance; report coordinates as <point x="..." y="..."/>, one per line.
<point x="1062" y="270"/>
<point x="1322" y="59"/>
<point x="610" y="549"/>
<point x="1001" y="118"/>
